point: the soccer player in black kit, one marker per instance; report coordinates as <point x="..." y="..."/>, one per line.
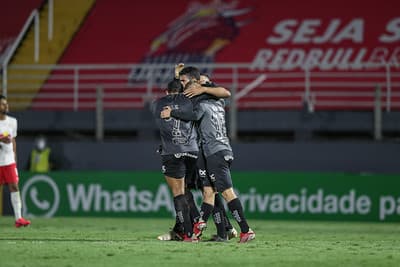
<point x="210" y="116"/>
<point x="179" y="152"/>
<point x="224" y="229"/>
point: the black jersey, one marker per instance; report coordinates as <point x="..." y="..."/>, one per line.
<point x="177" y="136"/>
<point x="210" y="116"/>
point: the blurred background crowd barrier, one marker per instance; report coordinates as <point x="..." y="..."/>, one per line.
<point x="315" y="87"/>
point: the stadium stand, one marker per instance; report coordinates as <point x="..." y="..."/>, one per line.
<point x="25" y="83"/>
<point x="109" y="47"/>
<point x="112" y="45"/>
<point x="14" y="15"/>
<point x="325" y="90"/>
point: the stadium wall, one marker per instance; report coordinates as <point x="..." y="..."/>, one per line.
<point x="264" y="195"/>
<point x="351" y="181"/>
<point x="263" y="121"/>
<point x="282" y="156"/>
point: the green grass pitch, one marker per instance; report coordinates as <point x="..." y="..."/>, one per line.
<point x="73" y="242"/>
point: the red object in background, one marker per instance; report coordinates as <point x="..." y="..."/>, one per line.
<point x="275" y="36"/>
<point x="12" y="19"/>
<point x="124" y="32"/>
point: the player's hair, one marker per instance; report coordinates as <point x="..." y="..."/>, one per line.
<point x="206" y="75"/>
<point x="2" y="97"/>
<point x="174" y="86"/>
<point x="208" y="82"/>
<point x="191" y="72"/>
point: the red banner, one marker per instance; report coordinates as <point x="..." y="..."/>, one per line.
<point x="281" y="35"/>
<point x="280" y="40"/>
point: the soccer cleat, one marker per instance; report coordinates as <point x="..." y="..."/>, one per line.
<point x="22" y="222"/>
<point x="176" y="236"/>
<point x="165" y="237"/>
<point x="247" y="237"/>
<point x="231" y="233"/>
<point x="216" y="238"/>
<point x="199" y="227"/>
<point x="192" y="239"/>
<point x="171" y="235"/>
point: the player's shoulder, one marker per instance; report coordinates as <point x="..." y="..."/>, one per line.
<point x="182" y="98"/>
<point x="163" y="100"/>
<point x="11" y="119"/>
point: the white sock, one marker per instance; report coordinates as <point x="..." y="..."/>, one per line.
<point x="16" y="203"/>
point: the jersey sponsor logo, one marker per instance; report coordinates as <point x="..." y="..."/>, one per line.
<point x="202" y="173"/>
<point x="185" y="154"/>
<point x="228" y="158"/>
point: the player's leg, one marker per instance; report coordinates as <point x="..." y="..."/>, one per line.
<point x="176" y="166"/>
<point x="207" y="205"/>
<point x="10" y="173"/>
<point x="225" y="230"/>
<point x="236" y="209"/>
<point x="218" y="216"/>
<point x="177" y="231"/>
<point x="221" y="221"/>
<point x="174" y="172"/>
<point x="177" y="186"/>
<point x="193" y="210"/>
<point x="221" y="170"/>
<point x="192" y="182"/>
<point x="230" y="230"/>
<point x="208" y="202"/>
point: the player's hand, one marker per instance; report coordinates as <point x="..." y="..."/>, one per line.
<point x="194" y="90"/>
<point x="166" y="112"/>
<point x="178" y="69"/>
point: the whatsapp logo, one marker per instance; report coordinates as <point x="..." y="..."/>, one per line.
<point x="40" y="196"/>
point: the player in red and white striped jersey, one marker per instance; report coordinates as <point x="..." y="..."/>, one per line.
<point x="8" y="156"/>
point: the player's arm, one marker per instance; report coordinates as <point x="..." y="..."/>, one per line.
<point x="14" y="143"/>
<point x="197" y="89"/>
<point x="186" y="112"/>
<point x="189" y="113"/>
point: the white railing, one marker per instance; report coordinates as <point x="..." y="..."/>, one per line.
<point x="33" y="19"/>
<point x="73" y="86"/>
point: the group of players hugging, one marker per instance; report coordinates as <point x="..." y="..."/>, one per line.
<point x="196" y="154"/>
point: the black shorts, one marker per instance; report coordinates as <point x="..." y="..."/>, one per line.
<point x="192" y="180"/>
<point x="179" y="165"/>
<point x="215" y="171"/>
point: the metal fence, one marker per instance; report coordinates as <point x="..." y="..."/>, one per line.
<point x="74" y="86"/>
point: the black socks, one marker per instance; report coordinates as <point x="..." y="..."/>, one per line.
<point x="237" y="212"/>
<point x="182" y="214"/>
